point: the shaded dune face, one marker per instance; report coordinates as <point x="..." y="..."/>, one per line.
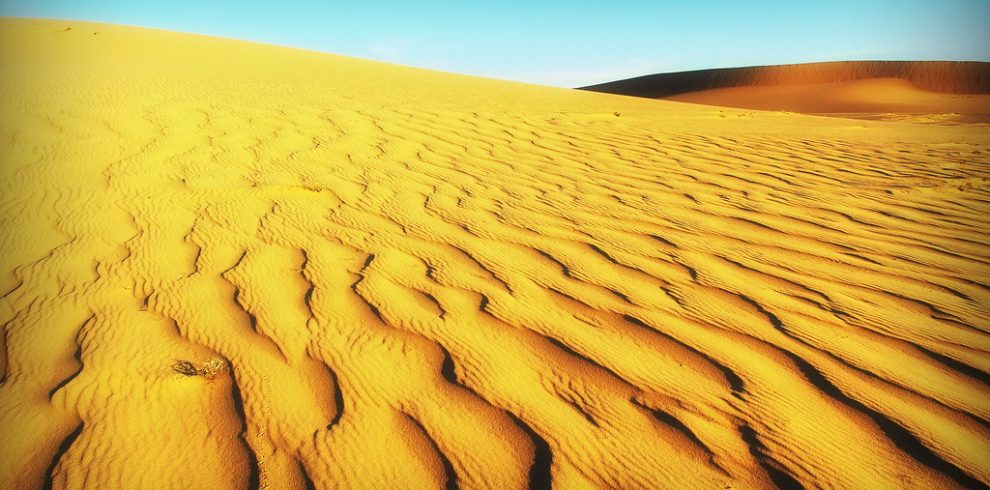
<point x="414" y="279"/>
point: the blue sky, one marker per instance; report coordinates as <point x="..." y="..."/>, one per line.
<point x="569" y="42"/>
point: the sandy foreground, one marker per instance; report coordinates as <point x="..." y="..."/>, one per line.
<point x="410" y="279"/>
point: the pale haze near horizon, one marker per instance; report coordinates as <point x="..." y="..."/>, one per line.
<point x="570" y="44"/>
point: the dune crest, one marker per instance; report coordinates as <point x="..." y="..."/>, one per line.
<point x="950" y="77"/>
<point x="231" y="265"/>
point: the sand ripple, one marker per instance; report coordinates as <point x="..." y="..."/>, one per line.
<point x="413" y="279"/>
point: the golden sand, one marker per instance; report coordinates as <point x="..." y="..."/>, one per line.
<point x="227" y="264"/>
<point x="879" y="98"/>
<point x="920" y="91"/>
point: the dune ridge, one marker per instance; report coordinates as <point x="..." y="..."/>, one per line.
<point x="418" y="279"/>
<point x="950" y="77"/>
<point x="941" y="92"/>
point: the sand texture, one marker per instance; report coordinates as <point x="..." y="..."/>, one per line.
<point x="410" y="279"/>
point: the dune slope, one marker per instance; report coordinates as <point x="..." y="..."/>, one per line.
<point x="409" y="279"/>
<point x="864" y="89"/>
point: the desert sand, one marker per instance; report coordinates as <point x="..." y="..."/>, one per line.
<point x="928" y="91"/>
<point x="229" y="265"/>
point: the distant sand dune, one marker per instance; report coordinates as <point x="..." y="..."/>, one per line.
<point x="410" y="279"/>
<point x="868" y="88"/>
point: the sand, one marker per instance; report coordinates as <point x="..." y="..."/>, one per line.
<point x="410" y="279"/>
<point x="920" y="91"/>
<point x="879" y="98"/>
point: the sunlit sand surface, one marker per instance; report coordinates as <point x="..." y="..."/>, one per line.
<point x="410" y="279"/>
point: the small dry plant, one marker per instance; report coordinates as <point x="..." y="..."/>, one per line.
<point x="208" y="370"/>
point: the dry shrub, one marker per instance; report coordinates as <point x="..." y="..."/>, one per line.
<point x="208" y="370"/>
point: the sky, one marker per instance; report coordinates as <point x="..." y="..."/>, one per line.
<point x="569" y="43"/>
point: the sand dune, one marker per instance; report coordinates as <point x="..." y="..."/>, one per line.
<point x="862" y="89"/>
<point x="410" y="279"/>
